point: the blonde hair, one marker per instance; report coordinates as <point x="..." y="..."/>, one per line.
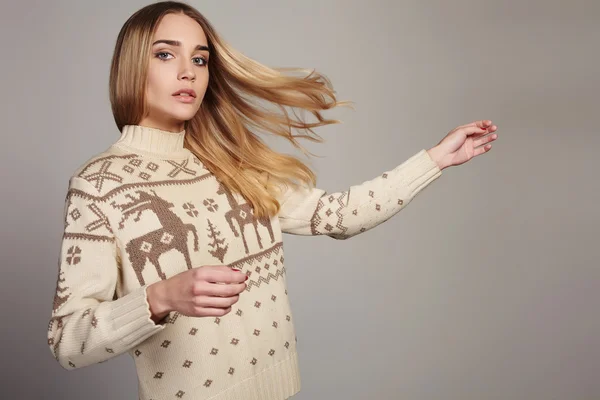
<point x="220" y="133"/>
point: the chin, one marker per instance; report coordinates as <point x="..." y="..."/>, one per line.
<point x="182" y="116"/>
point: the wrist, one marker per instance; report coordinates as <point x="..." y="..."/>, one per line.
<point x="435" y="155"/>
<point x="158" y="300"/>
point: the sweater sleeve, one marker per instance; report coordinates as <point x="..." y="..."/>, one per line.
<point x="344" y="214"/>
<point x="89" y="323"/>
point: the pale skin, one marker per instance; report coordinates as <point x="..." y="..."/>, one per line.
<point x="211" y="290"/>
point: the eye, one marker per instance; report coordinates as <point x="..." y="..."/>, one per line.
<point x="159" y="54"/>
<point x="203" y="60"/>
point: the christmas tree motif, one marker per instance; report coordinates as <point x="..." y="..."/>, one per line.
<point x="217" y="244"/>
<point x="60" y="295"/>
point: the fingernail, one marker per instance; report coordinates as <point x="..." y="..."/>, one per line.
<point x="246" y="278"/>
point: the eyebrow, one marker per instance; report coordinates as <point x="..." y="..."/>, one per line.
<point x="177" y="43"/>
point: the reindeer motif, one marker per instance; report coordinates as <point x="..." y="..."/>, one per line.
<point x="149" y="247"/>
<point x="243" y="215"/>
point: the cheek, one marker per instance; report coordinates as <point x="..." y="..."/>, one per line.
<point x="155" y="89"/>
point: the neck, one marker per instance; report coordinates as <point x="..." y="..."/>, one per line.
<point x="153" y="142"/>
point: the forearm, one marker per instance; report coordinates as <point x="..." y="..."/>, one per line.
<point x="344" y="214"/>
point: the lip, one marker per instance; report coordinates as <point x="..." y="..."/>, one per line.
<point x="191" y="92"/>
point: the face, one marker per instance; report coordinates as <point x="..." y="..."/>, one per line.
<point x="178" y="61"/>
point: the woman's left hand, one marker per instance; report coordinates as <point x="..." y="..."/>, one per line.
<point x="464" y="143"/>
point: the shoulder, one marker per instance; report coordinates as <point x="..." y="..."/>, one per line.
<point x="103" y="171"/>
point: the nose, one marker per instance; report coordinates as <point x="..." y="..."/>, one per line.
<point x="187" y="72"/>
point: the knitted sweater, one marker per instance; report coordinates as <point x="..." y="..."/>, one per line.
<point x="146" y="209"/>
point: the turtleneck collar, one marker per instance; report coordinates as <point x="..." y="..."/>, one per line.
<point x="153" y="142"/>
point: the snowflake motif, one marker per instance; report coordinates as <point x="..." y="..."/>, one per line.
<point x="190" y="209"/>
<point x="73" y="255"/>
<point x="211" y="205"/>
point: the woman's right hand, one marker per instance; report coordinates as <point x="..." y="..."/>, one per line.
<point x="207" y="291"/>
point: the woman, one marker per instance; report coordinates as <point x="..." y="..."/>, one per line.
<point x="172" y="249"/>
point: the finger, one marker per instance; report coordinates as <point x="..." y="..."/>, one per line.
<point x="480" y="150"/>
<point x="224" y="274"/>
<point x="215" y="302"/>
<point x="470" y="130"/>
<point x="484" y="123"/>
<point x="212" y="312"/>
<point x="234" y="289"/>
<point x="485" y="139"/>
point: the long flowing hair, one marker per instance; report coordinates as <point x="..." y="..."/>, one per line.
<point x="221" y="132"/>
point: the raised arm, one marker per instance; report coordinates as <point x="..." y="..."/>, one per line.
<point x="88" y="325"/>
<point x="361" y="207"/>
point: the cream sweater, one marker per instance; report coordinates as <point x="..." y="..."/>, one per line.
<point x="146" y="209"/>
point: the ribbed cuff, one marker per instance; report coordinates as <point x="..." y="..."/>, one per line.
<point x="418" y="171"/>
<point x="132" y="318"/>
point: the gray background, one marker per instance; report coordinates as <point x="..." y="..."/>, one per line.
<point x="484" y="287"/>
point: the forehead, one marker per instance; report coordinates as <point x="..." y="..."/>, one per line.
<point x="180" y="27"/>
